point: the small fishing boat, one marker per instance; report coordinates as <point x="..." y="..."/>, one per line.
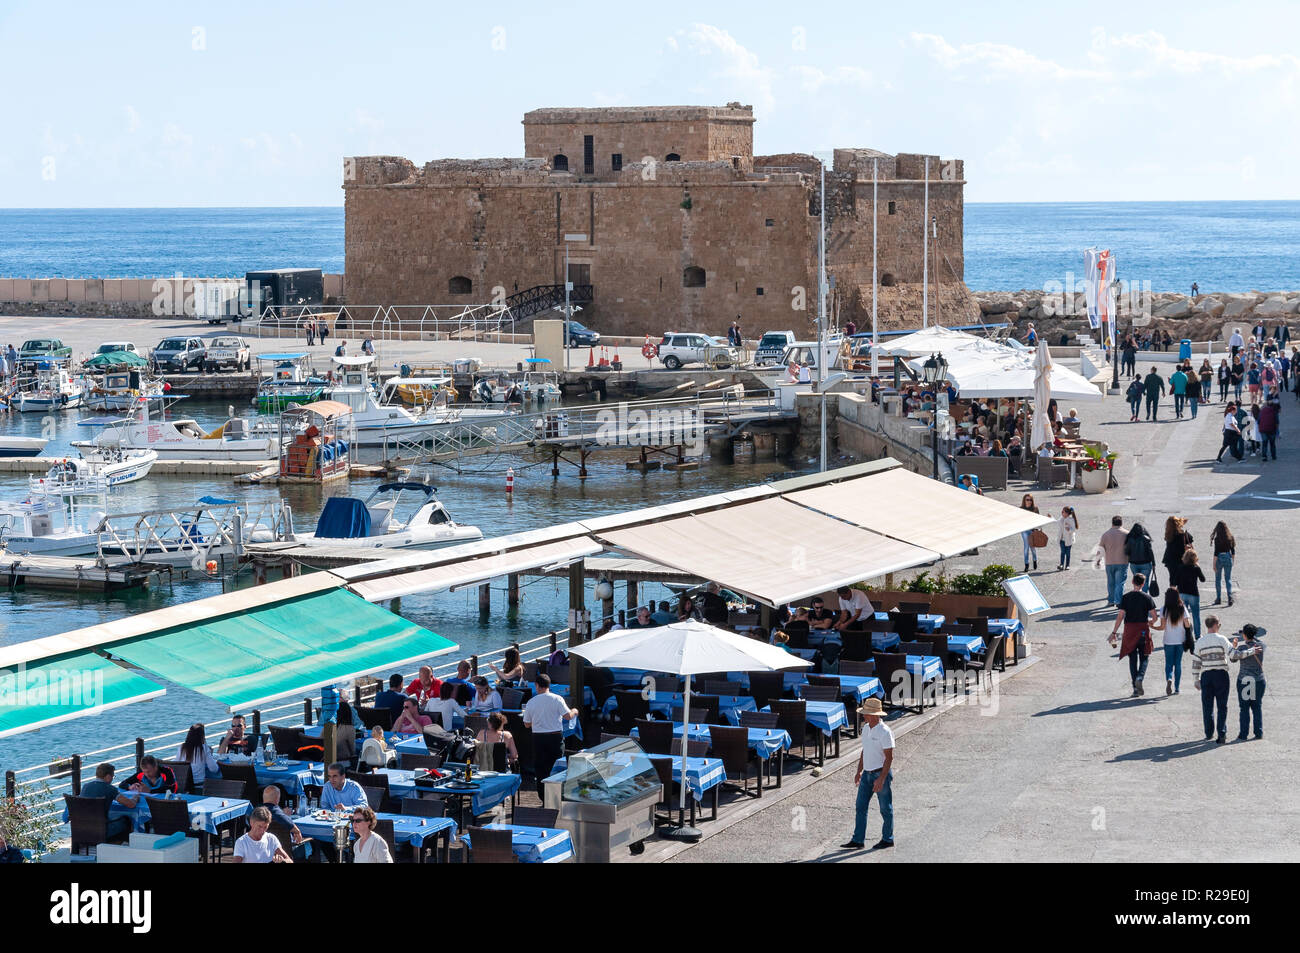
<point x="375" y="523"/>
<point x="51" y="525"/>
<point x="53" y="389"/>
<point x="94" y="471"/>
<point x="126" y="390"/>
<point x="184" y="439"/>
<point x="289" y="382"/>
<point x="22" y="446"/>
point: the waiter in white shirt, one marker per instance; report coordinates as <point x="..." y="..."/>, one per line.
<point x="874" y="777"/>
<point x="544" y="713"/>
<point x="855" y="608"/>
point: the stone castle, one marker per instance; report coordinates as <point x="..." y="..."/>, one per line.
<point x="680" y="226"/>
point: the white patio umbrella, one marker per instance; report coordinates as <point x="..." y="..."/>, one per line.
<point x="1041" y="431"/>
<point x="686" y="648"/>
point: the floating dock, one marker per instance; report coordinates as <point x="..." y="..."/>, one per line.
<point x="160" y="467"/>
<point x="78" y="573"/>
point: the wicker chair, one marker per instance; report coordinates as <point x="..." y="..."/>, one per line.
<point x="424" y="807"/>
<point x="491" y="846"/>
<point x="88" y="823"/>
<point x="534" y="816"/>
<point x="731" y="746"/>
<point x="857" y="669"/>
<point x="759" y="719"/>
<point x="766" y="687"/>
<point x="655" y="737"/>
<point x="792" y="717"/>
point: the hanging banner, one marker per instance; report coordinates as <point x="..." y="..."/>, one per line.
<point x="1099" y="290"/>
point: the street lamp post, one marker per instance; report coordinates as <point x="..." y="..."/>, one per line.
<point x="568" y="286"/>
<point x="935" y="374"/>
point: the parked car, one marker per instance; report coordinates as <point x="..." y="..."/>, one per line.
<point x="110" y="346"/>
<point x="772" y="345"/>
<point x="229" y="350"/>
<point x="179" y="354"/>
<point x="679" y="348"/>
<point x="43" y="349"/>
<point x="581" y="335"/>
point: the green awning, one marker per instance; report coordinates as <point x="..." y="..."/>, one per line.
<point x="116" y="359"/>
<point x="34" y="695"/>
<point x="283" y="648"/>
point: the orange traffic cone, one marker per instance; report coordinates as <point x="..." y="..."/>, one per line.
<point x="604" y="357"/>
<point x="591" y="357"/>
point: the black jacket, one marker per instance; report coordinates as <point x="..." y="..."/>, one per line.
<point x="1139" y="551"/>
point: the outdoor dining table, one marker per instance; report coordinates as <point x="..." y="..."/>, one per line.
<point x="925" y="621"/>
<point x="964" y="645"/>
<point x="791" y="678"/>
<point x="533" y="845"/>
<point x="1010" y="629"/>
<point x="401" y="783"/>
<point x="828" y="718"/>
<point x="207" y="814"/>
<point x="420" y="832"/>
<point x="484" y="792"/>
<point x="770" y="744"/>
<point x="926" y="666"/>
<point x="292" y="776"/>
<point x="881" y="641"/>
<point x="729" y="706"/>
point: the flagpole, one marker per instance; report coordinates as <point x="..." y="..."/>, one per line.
<point x="925" y="252"/>
<point x="875" y="288"/>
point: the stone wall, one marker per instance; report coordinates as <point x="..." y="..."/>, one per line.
<point x="1205" y="317"/>
<point x="121" y="297"/>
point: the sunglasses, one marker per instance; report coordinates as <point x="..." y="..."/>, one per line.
<point x="359" y="820"/>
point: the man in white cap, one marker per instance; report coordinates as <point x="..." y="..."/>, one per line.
<point x="873" y="777"/>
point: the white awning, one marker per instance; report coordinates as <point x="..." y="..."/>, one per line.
<point x="474" y="570"/>
<point x="770" y="549"/>
<point x="924" y="512"/>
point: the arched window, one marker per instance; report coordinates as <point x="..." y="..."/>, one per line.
<point x="672" y="157"/>
<point x="887" y="280"/>
<point x="560" y="163"/>
<point x="692" y="277"/>
<point x="460" y="285"/>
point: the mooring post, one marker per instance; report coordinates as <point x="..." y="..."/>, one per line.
<point x="484" y="599"/>
<point x="512" y="589"/>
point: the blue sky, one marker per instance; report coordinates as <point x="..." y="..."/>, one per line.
<point x="241" y="103"/>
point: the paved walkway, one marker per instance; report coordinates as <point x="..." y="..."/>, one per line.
<point x="1066" y="766"/>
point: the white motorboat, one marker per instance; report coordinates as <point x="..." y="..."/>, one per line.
<point x="184" y="439"/>
<point x="125" y="390"/>
<point x="376" y="523"/>
<point x="382" y="415"/>
<point x="53" y="389"/>
<point x="50" y="525"/>
<point x="97" y="470"/>
<point x="22" y="446"/>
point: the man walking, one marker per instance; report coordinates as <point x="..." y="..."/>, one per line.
<point x="1236" y="342"/>
<point x="1210" y="669"/>
<point x="1268" y="426"/>
<point x="1231" y="433"/>
<point x="1112" y="544"/>
<point x="1137" y="613"/>
<point x="873" y="778"/>
<point x="1249" y="651"/>
<point x="1178" y="386"/>
<point x="1154" y="385"/>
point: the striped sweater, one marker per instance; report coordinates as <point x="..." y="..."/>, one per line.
<point x="1210" y="654"/>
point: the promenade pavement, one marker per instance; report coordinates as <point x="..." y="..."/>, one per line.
<point x="1063" y="765"/>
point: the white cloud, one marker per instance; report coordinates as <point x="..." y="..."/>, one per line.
<point x="811" y="79"/>
<point x="1158" y="54"/>
<point x="996" y="58"/>
<point x="132" y="119"/>
<point x="740" y="66"/>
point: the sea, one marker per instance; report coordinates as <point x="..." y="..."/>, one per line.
<point x="1163" y="246"/>
<point x="1223" y="246"/>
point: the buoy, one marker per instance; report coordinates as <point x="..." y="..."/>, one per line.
<point x="510" y="481"/>
<point x="211" y="566"/>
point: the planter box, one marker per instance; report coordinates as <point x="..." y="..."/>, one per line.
<point x="1094" y="481"/>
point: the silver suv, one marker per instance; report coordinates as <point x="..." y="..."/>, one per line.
<point x="678" y="348"/>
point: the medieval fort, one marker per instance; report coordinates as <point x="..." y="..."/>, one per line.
<point x="682" y="226"/>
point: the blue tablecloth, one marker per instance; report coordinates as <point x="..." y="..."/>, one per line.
<point x="765" y="742"/>
<point x="400" y="783"/>
<point x="534" y="845"/>
<point x="927" y="666"/>
<point x="1005" y="627"/>
<point x="209" y="812"/>
<point x="488" y="791"/>
<point x="859" y="686"/>
<point x="883" y="641"/>
<point x="702" y="774"/>
<point x="290" y="775"/>
<point x="407" y="829"/>
<point x="792" y="677"/>
<point x="964" y="645"/>
<point x="662" y="703"/>
<point x="410" y="744"/>
<point x="824" y="716"/>
<point x="925" y="622"/>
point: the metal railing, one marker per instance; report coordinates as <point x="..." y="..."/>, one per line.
<point x="67" y="771"/>
<point x="190" y="535"/>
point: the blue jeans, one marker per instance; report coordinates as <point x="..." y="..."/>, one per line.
<point x="1214" y="690"/>
<point x="1193" y="604"/>
<point x="1192" y="402"/>
<point x="1250" y="698"/>
<point x="1030" y="552"/>
<point x="1065" y="554"/>
<point x="1116" y="576"/>
<point x="886" y="798"/>
<point x="1153" y="406"/>
<point x="1136" y="405"/>
<point x="1137" y="663"/>
<point x="1236" y="390"/>
<point x="1222" y="570"/>
<point x="1270" y="441"/>
<point x="1145" y="570"/>
<point x="1174" y="664"/>
<point x="1179" y="401"/>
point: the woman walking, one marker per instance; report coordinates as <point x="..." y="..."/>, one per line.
<point x="1177" y="539"/>
<point x="1134" y="397"/>
<point x="1206" y="374"/>
<point x="1068" y="527"/>
<point x="1141" y="554"/>
<point x="1027" y="503"/>
<point x="1225" y="378"/>
<point x="1189" y="574"/>
<point x="1176" y="625"/>
<point x="1225" y="552"/>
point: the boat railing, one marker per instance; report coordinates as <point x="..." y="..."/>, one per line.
<point x="194" y="534"/>
<point x="62" y="775"/>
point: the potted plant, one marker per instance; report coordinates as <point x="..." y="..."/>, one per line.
<point x="1094" y="474"/>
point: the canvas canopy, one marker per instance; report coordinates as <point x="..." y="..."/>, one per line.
<point x="59" y="689"/>
<point x="116" y="359"/>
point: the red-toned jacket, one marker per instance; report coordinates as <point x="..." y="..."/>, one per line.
<point x="424" y="694"/>
<point x="166" y="781"/>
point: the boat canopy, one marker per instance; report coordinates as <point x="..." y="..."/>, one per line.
<point x="280" y="357"/>
<point x="360" y="360"/>
<point x="344" y="517"/>
<point x="116" y="359"/>
<point x="421" y="487"/>
<point x="328" y="409"/>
